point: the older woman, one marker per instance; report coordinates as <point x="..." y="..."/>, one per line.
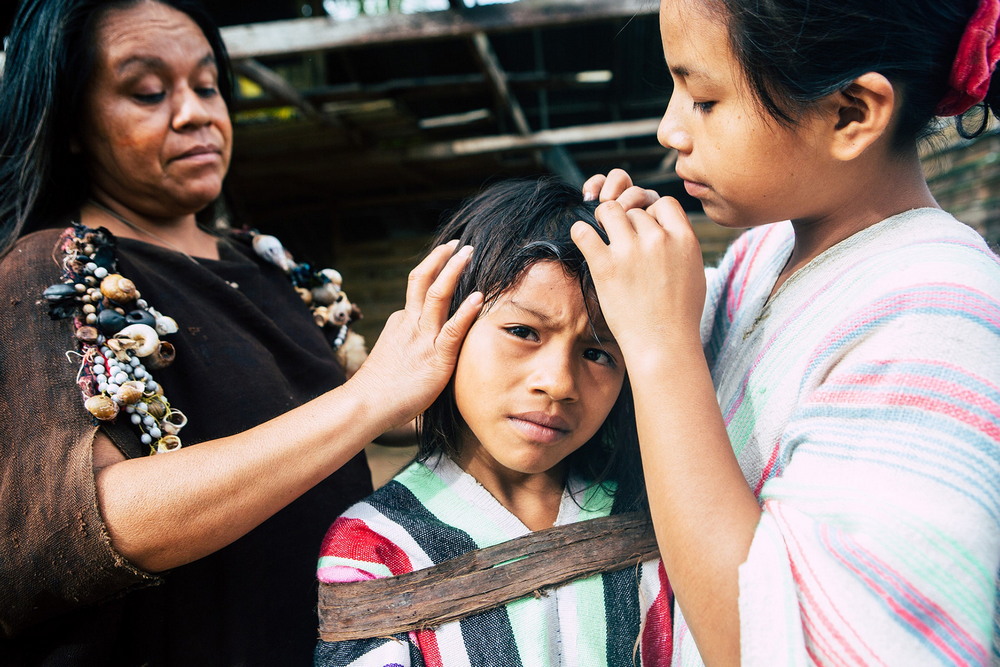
<point x="115" y="134"/>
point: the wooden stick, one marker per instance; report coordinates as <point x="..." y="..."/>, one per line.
<point x="484" y="579"/>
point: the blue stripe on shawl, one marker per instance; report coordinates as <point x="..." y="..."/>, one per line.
<point x="897" y="594"/>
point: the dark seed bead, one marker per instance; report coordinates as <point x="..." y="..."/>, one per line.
<point x="59" y="292"/>
<point x="140" y="317"/>
<point x="110" y="322"/>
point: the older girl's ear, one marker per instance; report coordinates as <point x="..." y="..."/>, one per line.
<point x="864" y="114"/>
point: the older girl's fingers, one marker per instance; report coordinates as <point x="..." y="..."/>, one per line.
<point x="588" y="241"/>
<point x="437" y="300"/>
<point x="424" y="273"/>
<point x="614" y="220"/>
<point x="642" y="222"/>
<point x="592" y="187"/>
<point x="669" y="214"/>
<point x="617" y="182"/>
<point x="636" y="197"/>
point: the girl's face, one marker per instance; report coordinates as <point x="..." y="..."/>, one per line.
<point x="156" y="134"/>
<point x="535" y="379"/>
<point x="743" y="166"/>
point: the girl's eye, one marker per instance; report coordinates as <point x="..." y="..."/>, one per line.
<point x="149" y="98"/>
<point x="207" y="91"/>
<point x="522" y="331"/>
<point x="599" y="356"/>
<point x="703" y="107"/>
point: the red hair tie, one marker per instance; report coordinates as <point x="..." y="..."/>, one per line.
<point x="978" y="53"/>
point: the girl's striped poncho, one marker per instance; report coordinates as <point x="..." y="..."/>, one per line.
<point x="431" y="513"/>
<point x="863" y="403"/>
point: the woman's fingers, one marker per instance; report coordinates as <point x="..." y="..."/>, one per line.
<point x="437" y="299"/>
<point x="415" y="354"/>
<point x="423" y="275"/>
<point x="449" y="341"/>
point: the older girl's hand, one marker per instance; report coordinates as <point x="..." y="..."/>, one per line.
<point x="617" y="186"/>
<point x="650" y="278"/>
<point x="416" y="352"/>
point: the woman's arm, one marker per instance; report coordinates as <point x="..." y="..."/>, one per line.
<point x="651" y="285"/>
<point x="167" y="510"/>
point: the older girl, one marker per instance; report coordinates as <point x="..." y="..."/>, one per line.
<point x="823" y="461"/>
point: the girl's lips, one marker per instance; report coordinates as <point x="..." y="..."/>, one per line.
<point x="540" y="427"/>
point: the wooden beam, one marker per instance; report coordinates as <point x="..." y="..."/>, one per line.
<point x="323" y="33"/>
<point x="275" y="85"/>
<point x="557" y="159"/>
<point x="543" y="139"/>
<point x="498" y="82"/>
<point x="454" y="85"/>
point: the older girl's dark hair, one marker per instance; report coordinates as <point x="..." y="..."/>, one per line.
<point x="50" y="58"/>
<point x="512" y="225"/>
<point x="795" y="52"/>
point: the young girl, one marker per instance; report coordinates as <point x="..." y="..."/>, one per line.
<point x="825" y="486"/>
<point x="535" y="430"/>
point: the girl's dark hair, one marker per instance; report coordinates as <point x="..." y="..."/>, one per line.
<point x="512" y="225"/>
<point x="795" y="52"/>
<point x="51" y="53"/>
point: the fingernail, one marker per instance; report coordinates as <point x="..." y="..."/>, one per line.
<point x="466" y="250"/>
<point x="589" y="196"/>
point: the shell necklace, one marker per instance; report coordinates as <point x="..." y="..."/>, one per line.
<point x="119" y="335"/>
<point x="119" y="338"/>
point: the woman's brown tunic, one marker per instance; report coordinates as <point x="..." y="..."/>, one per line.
<point x="245" y="354"/>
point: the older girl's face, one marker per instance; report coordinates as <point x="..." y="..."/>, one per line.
<point x="744" y="167"/>
<point x="156" y="135"/>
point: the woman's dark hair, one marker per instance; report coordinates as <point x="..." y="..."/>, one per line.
<point x="512" y="225"/>
<point x="51" y="54"/>
<point x="795" y="52"/>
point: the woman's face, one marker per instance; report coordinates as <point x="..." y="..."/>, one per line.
<point x="155" y="135"/>
<point x="536" y="377"/>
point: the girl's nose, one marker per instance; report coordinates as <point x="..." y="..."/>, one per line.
<point x="554" y="376"/>
<point x="671" y="132"/>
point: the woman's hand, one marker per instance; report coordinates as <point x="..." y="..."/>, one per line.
<point x="415" y="354"/>
<point x="167" y="510"/>
<point x="650" y="278"/>
<point x="617" y="186"/>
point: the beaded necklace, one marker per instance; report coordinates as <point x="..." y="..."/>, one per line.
<point x="120" y="335"/>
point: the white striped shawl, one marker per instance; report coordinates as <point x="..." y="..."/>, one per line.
<point x="431" y="513"/>
<point x="863" y="404"/>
